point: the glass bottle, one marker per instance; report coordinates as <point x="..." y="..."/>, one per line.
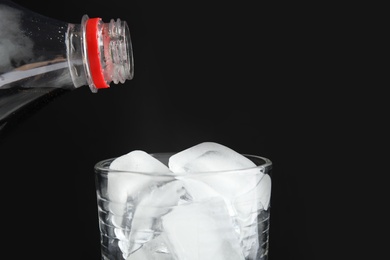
<point x="41" y="58"/>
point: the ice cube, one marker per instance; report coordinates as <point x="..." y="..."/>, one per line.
<point x="121" y="185"/>
<point x="201" y="231"/>
<point x="125" y="188"/>
<point x="196" y="191"/>
<point x="145" y="224"/>
<point x="237" y="187"/>
<point x="156" y="203"/>
<point x="248" y="207"/>
<point x="207" y="157"/>
<point x="139" y="161"/>
<point x="264" y="190"/>
<point x="155" y="249"/>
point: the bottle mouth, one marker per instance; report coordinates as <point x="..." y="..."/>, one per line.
<point x="121" y="51"/>
<point x="108" y="52"/>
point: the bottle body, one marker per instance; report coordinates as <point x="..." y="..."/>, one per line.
<point x="41" y="57"/>
<point x="32" y="45"/>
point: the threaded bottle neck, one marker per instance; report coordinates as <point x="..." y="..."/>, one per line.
<point x="118" y="58"/>
<point x="105" y="50"/>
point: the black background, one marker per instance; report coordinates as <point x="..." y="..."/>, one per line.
<point x="239" y="73"/>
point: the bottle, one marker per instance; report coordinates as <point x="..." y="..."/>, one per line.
<point x="42" y="58"/>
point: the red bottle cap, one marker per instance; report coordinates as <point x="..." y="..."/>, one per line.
<point x="93" y="52"/>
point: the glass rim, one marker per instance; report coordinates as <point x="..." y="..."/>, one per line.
<point x="102" y="166"/>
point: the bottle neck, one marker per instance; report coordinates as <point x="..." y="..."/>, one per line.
<point x="40" y="52"/>
<point x="99" y="53"/>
